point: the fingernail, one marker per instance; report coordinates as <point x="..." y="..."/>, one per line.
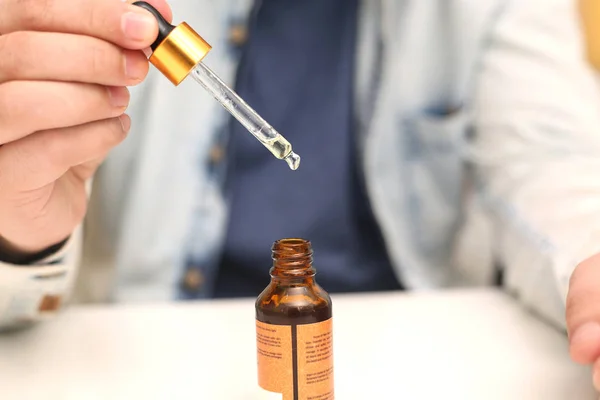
<point x="139" y="26"/>
<point x="132" y="68"/>
<point x="125" y="122"/>
<point x="119" y="96"/>
<point x="585" y="333"/>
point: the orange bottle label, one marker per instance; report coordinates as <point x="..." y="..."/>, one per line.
<point x="296" y="362"/>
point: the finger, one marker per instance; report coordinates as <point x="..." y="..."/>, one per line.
<point x="40" y="158"/>
<point x="26" y="56"/>
<point x="583" y="311"/>
<point x="88" y="169"/>
<point x="27" y="106"/>
<point x="121" y="23"/>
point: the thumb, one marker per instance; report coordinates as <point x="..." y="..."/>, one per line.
<point x="583" y="311"/>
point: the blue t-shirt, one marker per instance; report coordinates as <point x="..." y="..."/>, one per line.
<point x="297" y="72"/>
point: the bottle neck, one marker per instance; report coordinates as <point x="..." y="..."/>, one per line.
<point x="292" y="261"/>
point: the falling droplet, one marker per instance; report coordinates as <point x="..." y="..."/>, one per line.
<point x="293" y="160"/>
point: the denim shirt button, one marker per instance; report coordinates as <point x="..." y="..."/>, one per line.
<point x="192" y="280"/>
<point x="238" y="35"/>
<point x="216" y="155"/>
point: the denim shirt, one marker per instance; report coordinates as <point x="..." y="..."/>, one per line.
<point x="413" y="171"/>
<point x="400" y="84"/>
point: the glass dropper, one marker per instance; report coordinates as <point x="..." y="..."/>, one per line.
<point x="178" y="52"/>
<point x="269" y="137"/>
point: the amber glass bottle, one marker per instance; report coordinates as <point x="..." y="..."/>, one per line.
<point x="294" y="328"/>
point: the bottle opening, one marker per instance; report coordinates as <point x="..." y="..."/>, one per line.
<point x="292" y="247"/>
<point x="292" y="254"/>
<point x="292" y="242"/>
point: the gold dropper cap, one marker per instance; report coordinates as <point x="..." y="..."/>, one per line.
<point x="177" y="49"/>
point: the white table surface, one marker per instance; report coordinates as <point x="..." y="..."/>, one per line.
<point x="450" y="345"/>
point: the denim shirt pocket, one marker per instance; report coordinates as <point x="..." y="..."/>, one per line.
<point x="435" y="173"/>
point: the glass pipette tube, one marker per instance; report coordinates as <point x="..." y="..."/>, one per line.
<point x="257" y="126"/>
<point x="178" y="52"/>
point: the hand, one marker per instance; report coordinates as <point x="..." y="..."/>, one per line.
<point x="583" y="315"/>
<point x="64" y="68"/>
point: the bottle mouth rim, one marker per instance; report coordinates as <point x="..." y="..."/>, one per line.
<point x="292" y="242"/>
<point x="292" y="249"/>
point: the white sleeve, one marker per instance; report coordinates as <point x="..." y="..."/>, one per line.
<point x="30" y="293"/>
<point x="537" y="149"/>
